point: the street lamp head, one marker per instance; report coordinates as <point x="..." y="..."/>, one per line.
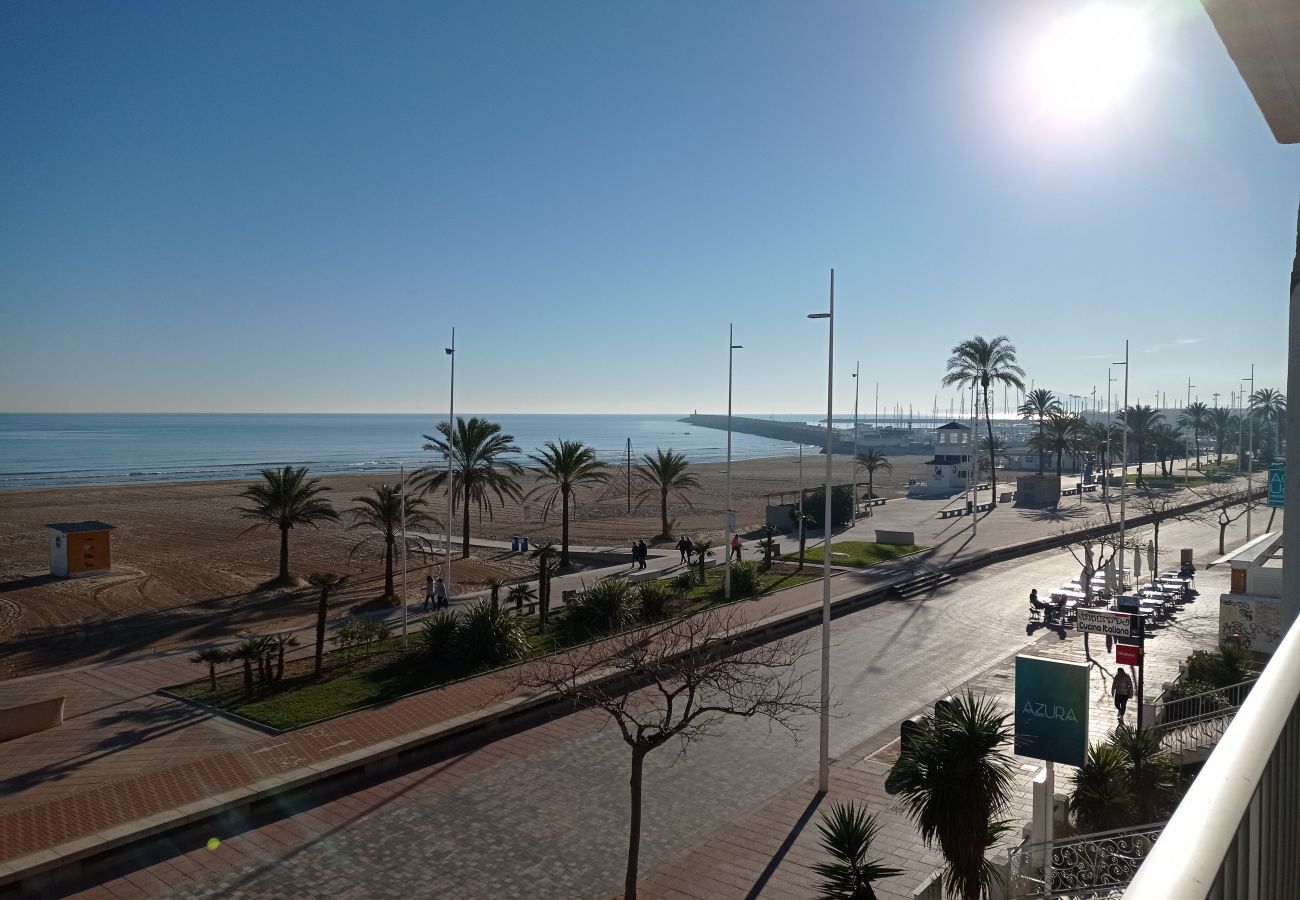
<point x="449" y="350"/>
<point x="737" y="346"/>
<point x="824" y="315"/>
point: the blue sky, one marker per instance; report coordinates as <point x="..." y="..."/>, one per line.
<point x="284" y="207"/>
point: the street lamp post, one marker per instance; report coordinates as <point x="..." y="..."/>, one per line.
<point x="824" y="761"/>
<point x="732" y="347"/>
<point x="451" y="440"/>
<point x="1187" y="437"/>
<point x="1123" y="471"/>
<point x="974" y="471"/>
<point x="853" y="515"/>
<point x="401" y="496"/>
<point x="1250" y="472"/>
<point x="1110" y="411"/>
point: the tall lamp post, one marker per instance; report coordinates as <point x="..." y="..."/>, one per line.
<point x="1187" y="437"/>
<point x="1250" y="471"/>
<point x="853" y="515"/>
<point x="1110" y="411"/>
<point x="824" y="761"/>
<point x="1123" y="469"/>
<point x="451" y="440"/>
<point x="732" y="347"/>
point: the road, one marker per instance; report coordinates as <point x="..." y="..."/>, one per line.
<point x="542" y="813"/>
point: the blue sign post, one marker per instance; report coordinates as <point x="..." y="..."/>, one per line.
<point x="1277" y="484"/>
<point x="1051" y="709"/>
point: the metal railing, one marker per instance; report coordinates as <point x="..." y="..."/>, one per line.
<point x="1084" y="866"/>
<point x="1200" y="721"/>
<point x="1236" y="832"/>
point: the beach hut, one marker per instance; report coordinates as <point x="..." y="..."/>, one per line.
<point x="79" y="548"/>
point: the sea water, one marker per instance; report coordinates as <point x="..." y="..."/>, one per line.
<point x="66" y="449"/>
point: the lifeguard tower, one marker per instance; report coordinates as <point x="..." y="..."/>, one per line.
<point x="950" y="470"/>
<point x="79" y="548"/>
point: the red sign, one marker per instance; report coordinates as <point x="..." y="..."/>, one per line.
<point x="1128" y="655"/>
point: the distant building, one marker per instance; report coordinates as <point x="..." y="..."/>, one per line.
<point x="79" y="548"/>
<point x="950" y="470"/>
<point x="1252" y="612"/>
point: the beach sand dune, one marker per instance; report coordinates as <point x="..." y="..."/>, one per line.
<point x="186" y="570"/>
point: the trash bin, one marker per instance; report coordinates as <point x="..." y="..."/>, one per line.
<point x="514" y="543"/>
<point x="523" y="544"/>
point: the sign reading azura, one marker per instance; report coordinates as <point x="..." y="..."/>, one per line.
<point x="1051" y="709"/>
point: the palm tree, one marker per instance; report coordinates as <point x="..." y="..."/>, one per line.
<point x="480" y="468"/>
<point x="279" y="642"/>
<point x="1059" y="437"/>
<point x="983" y="363"/>
<point x="1270" y="405"/>
<point x="212" y="657"/>
<point x="1040" y="403"/>
<point x="564" y="467"/>
<point x="1222" y="424"/>
<point x="285" y="498"/>
<point x="872" y="461"/>
<point x="1101" y="799"/>
<point x="847" y="834"/>
<point x="1140" y="420"/>
<point x="521" y="593"/>
<point x="955" y="781"/>
<point x="1197" y="418"/>
<point x="703" y="548"/>
<point x="494" y="584"/>
<point x="1152" y="773"/>
<point x="1169" y="443"/>
<point x="246" y="652"/>
<point x="546" y="556"/>
<point x="327" y="582"/>
<point x="381" y="515"/>
<point x="666" y="473"/>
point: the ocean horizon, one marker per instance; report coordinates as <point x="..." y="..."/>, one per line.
<point x="77" y="449"/>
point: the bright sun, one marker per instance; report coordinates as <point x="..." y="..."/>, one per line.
<point x="1088" y="61"/>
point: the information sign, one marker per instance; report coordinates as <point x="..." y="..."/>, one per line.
<point x="1277" y="484"/>
<point x="1051" y="709"/>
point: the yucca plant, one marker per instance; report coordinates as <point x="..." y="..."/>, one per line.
<point x="768" y="544"/>
<point x="608" y="605"/>
<point x="1101" y="799"/>
<point x="438" y="636"/>
<point x="847" y="834"/>
<point x="745" y="579"/>
<point x="279" y="643"/>
<point x="656" y="600"/>
<point x="211" y="657"/>
<point x="1153" y="776"/>
<point x="489" y="635"/>
<point x="703" y="549"/>
<point x="955" y="782"/>
<point x="494" y="585"/>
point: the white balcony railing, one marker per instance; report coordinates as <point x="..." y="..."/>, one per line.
<point x="1236" y="834"/>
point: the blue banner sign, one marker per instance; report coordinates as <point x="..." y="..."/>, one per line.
<point x="1277" y="484"/>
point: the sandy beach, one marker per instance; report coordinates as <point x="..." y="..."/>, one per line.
<point x="186" y="570"/>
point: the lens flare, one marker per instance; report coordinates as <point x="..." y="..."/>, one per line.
<point x="1087" y="62"/>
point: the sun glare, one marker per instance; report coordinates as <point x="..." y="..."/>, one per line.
<point x="1087" y="62"/>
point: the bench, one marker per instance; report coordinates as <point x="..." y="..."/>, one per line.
<point x="898" y="538"/>
<point x="17" y="721"/>
<point x="952" y="513"/>
<point x="874" y="501"/>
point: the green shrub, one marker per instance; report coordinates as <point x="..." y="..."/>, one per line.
<point x="683" y="582"/>
<point x="1229" y="665"/>
<point x="745" y="579"/>
<point x="656" y="600"/>
<point x="439" y="637"/>
<point x="814" y="506"/>
<point x="489" y="635"/>
<point x="608" y="605"/>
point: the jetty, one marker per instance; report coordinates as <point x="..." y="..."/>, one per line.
<point x="794" y="432"/>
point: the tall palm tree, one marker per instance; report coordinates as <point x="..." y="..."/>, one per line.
<point x="1060" y="437"/>
<point x="666" y="473"/>
<point x="1270" y="406"/>
<point x="1141" y="421"/>
<point x="565" y="466"/>
<point x="326" y="582"/>
<point x="1152" y="773"/>
<point x="871" y="462"/>
<point x="284" y="498"/>
<point x="1169" y="443"/>
<point x="1223" y="425"/>
<point x="1039" y="404"/>
<point x="211" y="657"/>
<point x="380" y="513"/>
<point x="982" y="363"/>
<point x="955" y="781"/>
<point x="481" y="468"/>
<point x="847" y="834"/>
<point x="1197" y="418"/>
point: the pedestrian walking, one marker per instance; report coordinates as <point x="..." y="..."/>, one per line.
<point x="643" y="553"/>
<point x="682" y="546"/>
<point x="1121" y="688"/>
<point x="428" y="590"/>
<point x="690" y="549"/>
<point x="735" y="547"/>
<point x="440" y="595"/>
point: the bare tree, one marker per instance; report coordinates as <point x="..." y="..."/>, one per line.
<point x="678" y="680"/>
<point x="1161" y="506"/>
<point x="1228" y="503"/>
<point x="1092" y="549"/>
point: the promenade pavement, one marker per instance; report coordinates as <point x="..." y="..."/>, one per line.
<point x="542" y="812"/>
